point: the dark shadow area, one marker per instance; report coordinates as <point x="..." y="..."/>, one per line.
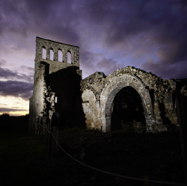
<point x="151" y="93"/>
<point x="181" y="103"/>
<point x="127" y="111"/>
<point x="14" y="123"/>
<point x="24" y="159"/>
<point x="163" y="114"/>
<point x="46" y="67"/>
<point x="66" y="85"/>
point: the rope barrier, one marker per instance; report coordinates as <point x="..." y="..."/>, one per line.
<point x="42" y="126"/>
<point x="113" y="174"/>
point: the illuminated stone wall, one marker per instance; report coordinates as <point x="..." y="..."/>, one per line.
<point x="48" y="71"/>
<point x="158" y="98"/>
<point x="61" y="80"/>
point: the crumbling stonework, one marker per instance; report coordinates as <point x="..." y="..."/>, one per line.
<point x="157" y="95"/>
<point x="46" y="90"/>
<point x="59" y="88"/>
<point x="55" y="47"/>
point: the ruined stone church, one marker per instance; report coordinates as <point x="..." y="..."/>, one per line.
<point x="129" y="97"/>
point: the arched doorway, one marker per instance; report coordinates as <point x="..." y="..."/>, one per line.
<point x="127" y="111"/>
<point x="113" y="87"/>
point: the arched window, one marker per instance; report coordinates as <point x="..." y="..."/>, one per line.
<point x="51" y="54"/>
<point x="60" y="55"/>
<point x="43" y="53"/>
<point x="69" y="56"/>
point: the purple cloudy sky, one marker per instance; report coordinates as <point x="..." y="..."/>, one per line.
<point x="147" y="34"/>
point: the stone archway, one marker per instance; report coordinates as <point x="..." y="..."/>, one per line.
<point x="127" y="111"/>
<point x="113" y="87"/>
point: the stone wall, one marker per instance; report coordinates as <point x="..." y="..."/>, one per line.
<point x="47" y="73"/>
<point x="157" y="95"/>
<point x="61" y="81"/>
<point x="55" y="47"/>
<point x="36" y="104"/>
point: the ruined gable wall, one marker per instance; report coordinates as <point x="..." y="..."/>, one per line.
<point x="44" y="67"/>
<point x="160" y="92"/>
<point x="55" y="65"/>
<point x="98" y="81"/>
<point x="55" y="46"/>
<point x="161" y="99"/>
<point x="163" y="93"/>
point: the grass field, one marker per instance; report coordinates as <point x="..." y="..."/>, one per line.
<point x="24" y="158"/>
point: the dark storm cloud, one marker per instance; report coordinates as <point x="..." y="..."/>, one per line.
<point x="124" y="26"/>
<point x="6" y="73"/>
<point x="4" y="110"/>
<point x="111" y="65"/>
<point x="19" y="88"/>
<point x="44" y="18"/>
<point x="97" y="62"/>
<point x="16" y="89"/>
<point x="9" y="74"/>
<point x="55" y="18"/>
<point x="176" y="70"/>
<point x="13" y="17"/>
<point x="158" y="26"/>
<point x="165" y="20"/>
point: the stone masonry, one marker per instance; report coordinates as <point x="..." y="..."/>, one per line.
<point x="42" y="102"/>
<point x="99" y="92"/>
<point x="58" y="87"/>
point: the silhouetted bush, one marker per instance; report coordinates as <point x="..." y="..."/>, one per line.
<point x="13" y="123"/>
